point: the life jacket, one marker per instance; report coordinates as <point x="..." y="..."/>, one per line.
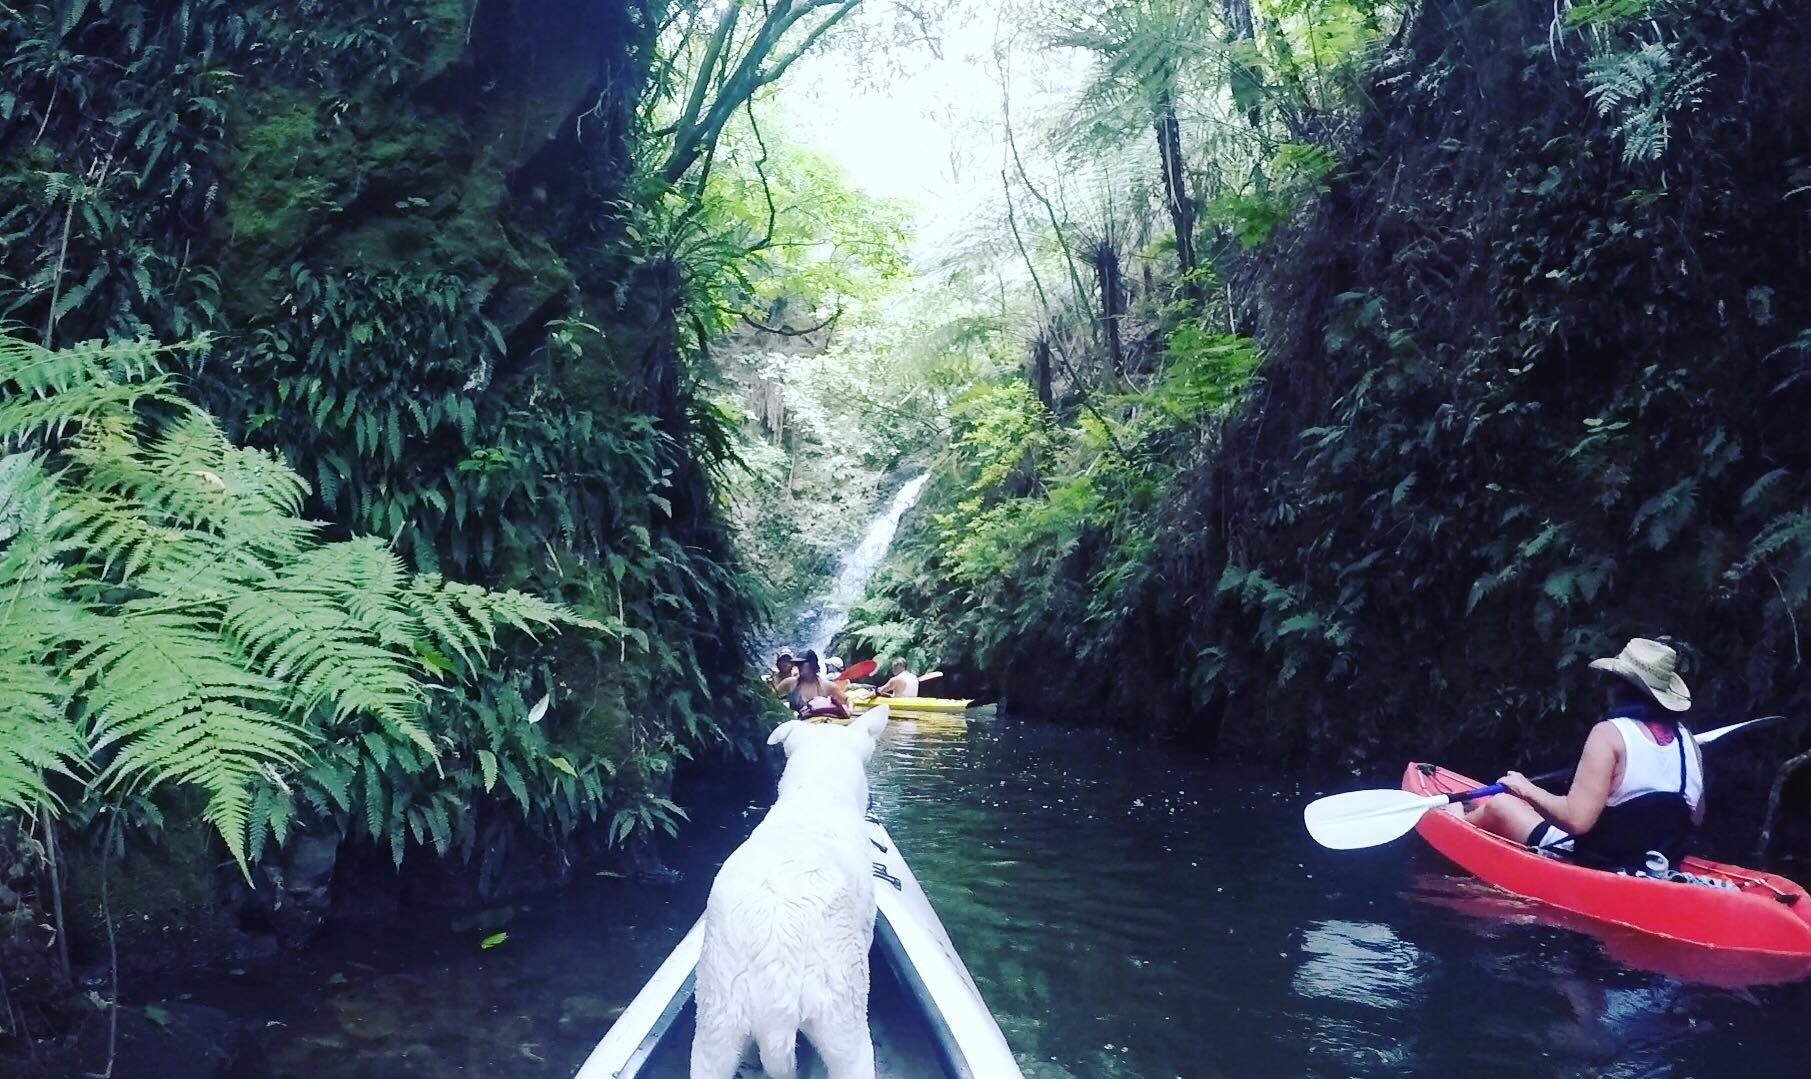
<point x="1651" y="807"/>
<point x="818" y="707"/>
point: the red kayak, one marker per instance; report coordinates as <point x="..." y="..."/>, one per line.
<point x="1762" y="913"/>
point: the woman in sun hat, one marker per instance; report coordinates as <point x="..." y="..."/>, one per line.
<point x="812" y="695"/>
<point x="1639" y="786"/>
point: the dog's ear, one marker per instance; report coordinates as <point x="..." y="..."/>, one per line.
<point x="784" y="731"/>
<point x="871" y="723"/>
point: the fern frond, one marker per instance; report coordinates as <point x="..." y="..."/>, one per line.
<point x="462" y="619"/>
<point x="292" y="628"/>
<point x="165" y="696"/>
<point x="36" y="740"/>
<point x="46" y="393"/>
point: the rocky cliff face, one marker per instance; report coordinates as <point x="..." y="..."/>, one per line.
<point x="444" y="159"/>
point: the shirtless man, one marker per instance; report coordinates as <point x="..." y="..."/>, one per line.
<point x="903" y="682"/>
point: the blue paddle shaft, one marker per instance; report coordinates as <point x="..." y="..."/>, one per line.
<point x="1497" y="788"/>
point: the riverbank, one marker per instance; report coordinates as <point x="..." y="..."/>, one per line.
<point x="212" y="998"/>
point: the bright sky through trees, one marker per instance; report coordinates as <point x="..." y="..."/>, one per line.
<point x="925" y="126"/>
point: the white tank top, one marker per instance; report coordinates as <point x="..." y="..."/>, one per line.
<point x="1649" y="767"/>
<point x="908" y="685"/>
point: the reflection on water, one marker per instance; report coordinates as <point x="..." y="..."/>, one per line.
<point x="1359" y="963"/>
<point x="1675" y="960"/>
<point x="1125" y="911"/>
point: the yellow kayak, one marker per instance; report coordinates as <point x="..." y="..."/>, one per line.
<point x="915" y="704"/>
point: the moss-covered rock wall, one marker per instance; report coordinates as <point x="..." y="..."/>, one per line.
<point x="415" y="234"/>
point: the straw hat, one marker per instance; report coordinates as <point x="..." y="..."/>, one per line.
<point x="1652" y="666"/>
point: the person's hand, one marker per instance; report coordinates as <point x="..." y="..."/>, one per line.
<point x="1517" y="784"/>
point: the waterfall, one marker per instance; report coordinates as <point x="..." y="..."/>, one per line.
<point x="817" y="627"/>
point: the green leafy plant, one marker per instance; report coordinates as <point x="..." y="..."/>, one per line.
<point x="190" y="628"/>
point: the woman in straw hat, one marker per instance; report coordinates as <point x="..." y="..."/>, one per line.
<point x="1639" y="787"/>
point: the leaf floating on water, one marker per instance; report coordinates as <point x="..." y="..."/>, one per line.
<point x="493" y="940"/>
<point x="159" y="1015"/>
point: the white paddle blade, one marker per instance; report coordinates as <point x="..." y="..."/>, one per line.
<point x="1710" y="736"/>
<point x="1365" y="818"/>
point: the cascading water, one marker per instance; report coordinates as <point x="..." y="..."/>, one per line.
<point x="819" y="625"/>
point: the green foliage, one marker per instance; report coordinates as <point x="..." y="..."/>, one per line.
<point x="1040" y="544"/>
<point x="812" y="240"/>
<point x="454" y="316"/>
<point x="191" y="629"/>
<point x="1531" y="374"/>
<point x="1295" y="175"/>
<point x="1206" y="374"/>
<point x="1641" y="89"/>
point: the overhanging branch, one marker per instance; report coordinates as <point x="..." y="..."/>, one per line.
<point x="782" y="331"/>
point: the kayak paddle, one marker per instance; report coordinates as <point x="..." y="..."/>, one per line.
<point x="923" y="678"/>
<point x="1371" y="818"/>
<point x="860" y="670"/>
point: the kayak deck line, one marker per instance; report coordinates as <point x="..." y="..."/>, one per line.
<point x="1754" y="913"/>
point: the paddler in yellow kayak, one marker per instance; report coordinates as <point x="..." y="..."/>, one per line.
<point x="812" y="695"/>
<point x="902" y="683"/>
<point x="1639" y="786"/>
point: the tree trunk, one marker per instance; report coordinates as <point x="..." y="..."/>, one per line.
<point x="1246" y="84"/>
<point x="1040" y="362"/>
<point x="1175" y="181"/>
<point x="1106" y="271"/>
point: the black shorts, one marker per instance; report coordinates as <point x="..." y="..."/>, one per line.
<point x="1545" y="836"/>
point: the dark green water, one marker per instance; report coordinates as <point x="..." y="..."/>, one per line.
<point x="1126" y="912"/>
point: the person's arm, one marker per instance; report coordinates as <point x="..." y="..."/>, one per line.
<point x="785" y="685"/>
<point x="840" y="696"/>
<point x="1578" y="809"/>
<point x="891" y="688"/>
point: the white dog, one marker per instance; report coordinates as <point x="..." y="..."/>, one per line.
<point x="791" y="916"/>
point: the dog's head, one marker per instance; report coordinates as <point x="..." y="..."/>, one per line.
<point x="861" y="734"/>
<point x="830" y="756"/>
